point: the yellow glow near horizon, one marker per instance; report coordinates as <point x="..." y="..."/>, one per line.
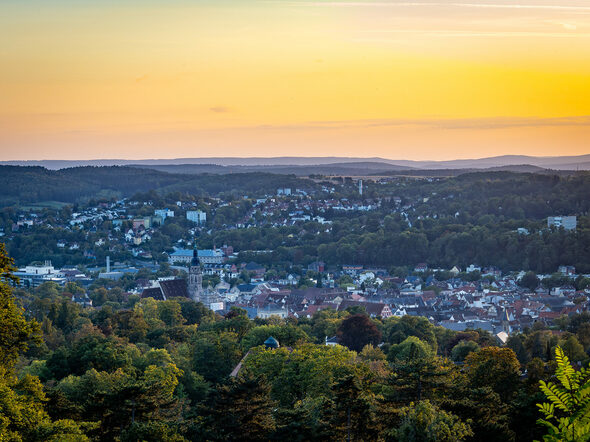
<point x="441" y="80"/>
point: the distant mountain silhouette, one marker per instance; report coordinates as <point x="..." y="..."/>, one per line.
<point x="339" y="164"/>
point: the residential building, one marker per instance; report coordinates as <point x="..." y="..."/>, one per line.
<point x="164" y="213"/>
<point x="567" y="222"/>
<point x="197" y="216"/>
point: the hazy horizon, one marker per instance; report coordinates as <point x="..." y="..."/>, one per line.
<point x="279" y="157"/>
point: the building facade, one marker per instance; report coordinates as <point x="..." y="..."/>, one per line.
<point x="567" y="222"/>
<point x="196" y="216"/>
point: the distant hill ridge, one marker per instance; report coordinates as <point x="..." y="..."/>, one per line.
<point x="581" y="162"/>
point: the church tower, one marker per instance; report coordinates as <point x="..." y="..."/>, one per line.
<point x="195" y="278"/>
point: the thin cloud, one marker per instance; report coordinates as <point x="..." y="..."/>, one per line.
<point x="439" y="4"/>
<point x="517" y="6"/>
<point x="458" y="123"/>
<point x="220" y="109"/>
<point x="460" y="33"/>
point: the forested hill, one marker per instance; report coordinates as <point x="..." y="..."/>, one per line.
<point x="20" y="184"/>
<point x="511" y="194"/>
<point x="508" y="194"/>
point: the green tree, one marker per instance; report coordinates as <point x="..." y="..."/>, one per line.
<point x="573" y="349"/>
<point x="416" y="372"/>
<point x="148" y="309"/>
<point x="494" y="367"/>
<point x="22" y="413"/>
<point x="93" y="351"/>
<point x="354" y="415"/>
<point x="411" y="349"/>
<point x="170" y="312"/>
<point x="241" y="410"/>
<point x="515" y="343"/>
<point x="215" y="354"/>
<point x="307" y="420"/>
<point x="424" y="422"/>
<point x="396" y="330"/>
<point x="287" y="334"/>
<point x="16" y="333"/>
<point x="116" y="400"/>
<point x="462" y="349"/>
<point x="152" y="431"/>
<point x="23" y="417"/>
<point x="325" y="323"/>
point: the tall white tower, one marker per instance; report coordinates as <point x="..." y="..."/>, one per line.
<point x="361" y="187"/>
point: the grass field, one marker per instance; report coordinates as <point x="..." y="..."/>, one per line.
<point x="44" y="205"/>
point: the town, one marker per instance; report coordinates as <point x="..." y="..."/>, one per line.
<point x="149" y="246"/>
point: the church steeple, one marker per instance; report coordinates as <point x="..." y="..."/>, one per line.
<point x="195" y="277"/>
<point x="195" y="261"/>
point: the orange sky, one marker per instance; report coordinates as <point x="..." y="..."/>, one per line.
<point x="83" y="79"/>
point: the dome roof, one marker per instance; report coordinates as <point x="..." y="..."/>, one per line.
<point x="271" y="343"/>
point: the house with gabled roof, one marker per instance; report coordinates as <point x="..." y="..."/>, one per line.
<point x="373" y="309"/>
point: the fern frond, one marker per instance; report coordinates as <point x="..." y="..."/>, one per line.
<point x="554" y="394"/>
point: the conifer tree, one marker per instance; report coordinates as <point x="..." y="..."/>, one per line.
<point x="241" y="410"/>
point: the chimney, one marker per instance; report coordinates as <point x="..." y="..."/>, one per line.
<point x="108" y="264"/>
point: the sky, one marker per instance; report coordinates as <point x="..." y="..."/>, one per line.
<point x="421" y="80"/>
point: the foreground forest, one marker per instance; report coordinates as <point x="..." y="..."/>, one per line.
<point x="146" y="370"/>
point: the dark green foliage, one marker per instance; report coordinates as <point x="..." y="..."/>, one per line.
<point x="116" y="399"/>
<point x="497" y="368"/>
<point x="287" y="335"/>
<point x="304" y="422"/>
<point x="354" y="413"/>
<point x="488" y="415"/>
<point x="396" y="330"/>
<point x="92" y="352"/>
<point x="417" y="378"/>
<point x="151" y="432"/>
<point x="215" y="355"/>
<point x="462" y="349"/>
<point x="241" y="410"/>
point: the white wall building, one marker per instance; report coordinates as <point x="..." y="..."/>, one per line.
<point x="197" y="216"/>
<point x="164" y="213"/>
<point x="567" y="222"/>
